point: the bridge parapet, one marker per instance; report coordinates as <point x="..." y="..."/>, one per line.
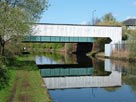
<point x="63" y="30"/>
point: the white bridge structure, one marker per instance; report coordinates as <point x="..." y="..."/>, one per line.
<point x="114" y="79"/>
<point x="75" y="33"/>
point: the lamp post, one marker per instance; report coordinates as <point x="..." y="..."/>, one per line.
<point x="93" y="16"/>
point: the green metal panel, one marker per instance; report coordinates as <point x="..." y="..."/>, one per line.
<point x="66" y="39"/>
<point x="62" y="39"/>
<point x="53" y="38"/>
<point x="82" y="39"/>
<point x="34" y="38"/>
<point x="57" y="39"/>
<point x="45" y="38"/>
<point x="66" y="72"/>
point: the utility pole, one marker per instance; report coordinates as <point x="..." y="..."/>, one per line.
<point x="93" y="16"/>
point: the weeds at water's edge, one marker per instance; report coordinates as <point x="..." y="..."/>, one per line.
<point x="115" y="57"/>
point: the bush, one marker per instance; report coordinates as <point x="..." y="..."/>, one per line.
<point x="100" y="43"/>
<point x="4" y="76"/>
<point x="124" y="37"/>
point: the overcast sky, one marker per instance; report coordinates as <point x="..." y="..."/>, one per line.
<point x="80" y="11"/>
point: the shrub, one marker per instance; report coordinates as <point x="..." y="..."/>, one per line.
<point x="4" y="76"/>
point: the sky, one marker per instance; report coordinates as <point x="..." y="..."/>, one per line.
<point x="82" y="11"/>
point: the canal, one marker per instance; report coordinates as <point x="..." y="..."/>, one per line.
<point x="72" y="78"/>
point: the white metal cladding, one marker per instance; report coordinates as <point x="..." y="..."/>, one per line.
<point x="84" y="81"/>
<point x="115" y="33"/>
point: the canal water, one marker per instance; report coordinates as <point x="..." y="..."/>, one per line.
<point x="72" y="78"/>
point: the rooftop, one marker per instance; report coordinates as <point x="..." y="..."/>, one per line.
<point x="130" y="22"/>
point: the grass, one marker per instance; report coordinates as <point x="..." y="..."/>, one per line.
<point x="37" y="88"/>
<point x="30" y="89"/>
<point x="6" y="91"/>
<point x="26" y="84"/>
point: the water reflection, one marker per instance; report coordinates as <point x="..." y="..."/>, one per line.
<point x="51" y="68"/>
<point x="90" y="80"/>
<point x="83" y="81"/>
<point x="63" y="72"/>
<point x="65" y="60"/>
<point x="123" y="94"/>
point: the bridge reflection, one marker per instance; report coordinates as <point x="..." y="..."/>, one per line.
<point x="50" y="68"/>
<point x="83" y="81"/>
<point x="79" y="75"/>
<point x="81" y="61"/>
<point x="63" y="72"/>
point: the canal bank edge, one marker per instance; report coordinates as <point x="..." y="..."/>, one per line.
<point x="101" y="55"/>
<point x="26" y="83"/>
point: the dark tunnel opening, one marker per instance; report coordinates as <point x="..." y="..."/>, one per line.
<point x="83" y="48"/>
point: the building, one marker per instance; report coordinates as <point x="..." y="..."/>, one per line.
<point x="130" y="23"/>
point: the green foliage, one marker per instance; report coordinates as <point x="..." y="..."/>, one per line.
<point x="108" y="17"/>
<point x="5" y="92"/>
<point x="4" y="76"/>
<point x="100" y="43"/>
<point x="124" y="37"/>
<point x="130" y="75"/>
<point x="15" y="16"/>
<point x="132" y="49"/>
<point x="55" y="56"/>
<point x="99" y="68"/>
<point x="132" y="33"/>
<point x="68" y="47"/>
<point x="26" y="72"/>
<point x="54" y="45"/>
<point x="42" y="47"/>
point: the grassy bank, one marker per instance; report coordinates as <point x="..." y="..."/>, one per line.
<point x="118" y="56"/>
<point x="26" y="84"/>
<point x="4" y="93"/>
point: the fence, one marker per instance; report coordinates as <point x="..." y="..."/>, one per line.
<point x="124" y="49"/>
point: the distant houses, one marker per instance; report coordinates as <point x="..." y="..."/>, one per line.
<point x="130" y="23"/>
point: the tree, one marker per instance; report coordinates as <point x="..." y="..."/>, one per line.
<point x="15" y="18"/>
<point x="108" y="18"/>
